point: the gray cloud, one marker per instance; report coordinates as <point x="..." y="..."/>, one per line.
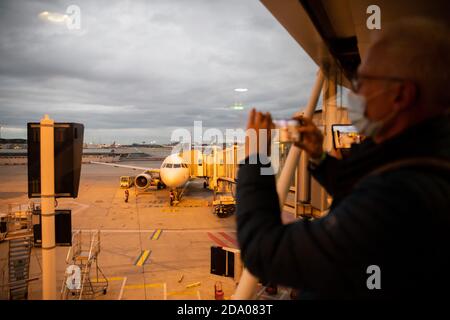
<point x="138" y="69"/>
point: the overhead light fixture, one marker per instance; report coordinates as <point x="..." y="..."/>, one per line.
<point x="237" y="106"/>
<point x="54" y="17"/>
<point x="241" y="89"/>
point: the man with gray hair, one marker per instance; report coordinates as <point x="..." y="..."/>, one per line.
<point x="388" y="230"/>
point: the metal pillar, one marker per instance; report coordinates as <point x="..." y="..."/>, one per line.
<point x="48" y="209"/>
<point x="303" y="179"/>
<point x="329" y="116"/>
<point x="214" y="164"/>
<point x="291" y="163"/>
<point x="329" y="109"/>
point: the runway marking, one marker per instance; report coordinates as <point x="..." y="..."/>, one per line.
<point x="142" y="258"/>
<point x="152" y="230"/>
<point x="109" y="279"/>
<point x="156" y="234"/>
<point x="165" y="291"/>
<point x="229" y="238"/>
<point x="81" y="205"/>
<point x="262" y="295"/>
<point x="142" y="286"/>
<point x="216" y="240"/>
<point x="192" y="285"/>
<point x="259" y="294"/>
<point x="122" y="288"/>
<point x="182" y="293"/>
<point x="283" y="295"/>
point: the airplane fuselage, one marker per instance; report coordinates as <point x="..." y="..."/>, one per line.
<point x="174" y="171"/>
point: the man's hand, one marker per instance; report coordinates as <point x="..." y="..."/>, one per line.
<point x="312" y="139"/>
<point x="258" y="121"/>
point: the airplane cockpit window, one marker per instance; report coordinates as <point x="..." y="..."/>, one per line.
<point x="176" y="165"/>
<point x="168" y="165"/>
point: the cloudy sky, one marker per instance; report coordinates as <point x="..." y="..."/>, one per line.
<point x="137" y="70"/>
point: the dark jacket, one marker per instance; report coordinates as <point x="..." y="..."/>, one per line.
<point x="398" y="221"/>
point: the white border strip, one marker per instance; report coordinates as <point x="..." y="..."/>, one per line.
<point x="122" y="288"/>
<point x="165" y="291"/>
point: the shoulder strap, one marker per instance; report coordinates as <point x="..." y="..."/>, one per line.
<point x="440" y="164"/>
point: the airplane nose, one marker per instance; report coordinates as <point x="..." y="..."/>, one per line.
<point x="174" y="178"/>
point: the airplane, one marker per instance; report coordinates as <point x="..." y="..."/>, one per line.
<point x="217" y="165"/>
<point x="174" y="173"/>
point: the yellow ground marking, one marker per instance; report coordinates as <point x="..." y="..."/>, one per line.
<point x="122" y="288"/>
<point x="156" y="234"/>
<point x="170" y="210"/>
<point x="192" y="285"/>
<point x="165" y="291"/>
<point x="142" y="258"/>
<point x="109" y="279"/>
<point x="182" y="293"/>
<point x="148" y="285"/>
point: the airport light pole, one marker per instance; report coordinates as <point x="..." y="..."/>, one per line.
<point x="48" y="208"/>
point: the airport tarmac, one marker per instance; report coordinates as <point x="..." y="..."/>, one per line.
<point x="146" y="245"/>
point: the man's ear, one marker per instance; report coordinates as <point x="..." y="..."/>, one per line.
<point x="407" y="96"/>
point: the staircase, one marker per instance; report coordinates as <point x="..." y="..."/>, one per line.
<point x="19" y="266"/>
<point x="83" y="257"/>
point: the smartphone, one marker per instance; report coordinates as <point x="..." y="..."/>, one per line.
<point x="288" y="130"/>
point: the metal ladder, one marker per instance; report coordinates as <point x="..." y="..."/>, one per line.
<point x="19" y="267"/>
<point x="86" y="259"/>
<point x="20" y="240"/>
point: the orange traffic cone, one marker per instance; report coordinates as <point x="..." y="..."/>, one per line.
<point x="218" y="292"/>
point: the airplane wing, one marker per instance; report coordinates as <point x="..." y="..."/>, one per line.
<point x="156" y="170"/>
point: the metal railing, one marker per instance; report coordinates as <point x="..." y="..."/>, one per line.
<point x="85" y="257"/>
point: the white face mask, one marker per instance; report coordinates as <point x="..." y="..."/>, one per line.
<point x="357" y="104"/>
